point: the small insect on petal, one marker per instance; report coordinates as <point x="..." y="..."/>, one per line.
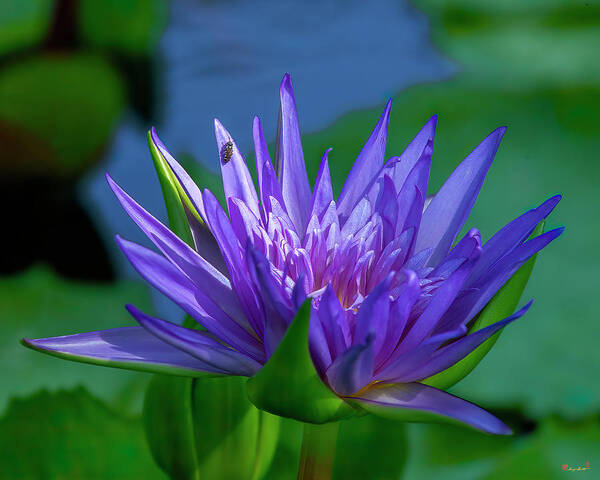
<point x="227" y="151"/>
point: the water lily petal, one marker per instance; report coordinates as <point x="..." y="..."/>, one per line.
<point x="510" y="236"/>
<point x="421" y="403"/>
<point x="450" y="207"/>
<point x="352" y="370"/>
<point x="365" y="168"/>
<point x="440" y="302"/>
<point x="267" y="178"/>
<point x="456" y="351"/>
<point x="402" y="368"/>
<point x="132" y="348"/>
<point x="295" y="188"/>
<point x="323" y="193"/>
<point x="184" y="257"/>
<point x="475" y="299"/>
<point x="162" y="275"/>
<point x="198" y="344"/>
<point x="237" y="181"/>
<point x="232" y="253"/>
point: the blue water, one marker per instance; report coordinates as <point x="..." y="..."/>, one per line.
<point x="226" y="59"/>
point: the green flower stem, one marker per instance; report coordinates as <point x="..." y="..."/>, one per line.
<point x="318" y="451"/>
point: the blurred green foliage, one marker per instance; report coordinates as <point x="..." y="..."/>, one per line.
<point x="453" y="453"/>
<point x="68" y="103"/>
<point x="71" y="435"/>
<point x="23" y="23"/>
<point x="130" y="27"/>
<point x="39" y="304"/>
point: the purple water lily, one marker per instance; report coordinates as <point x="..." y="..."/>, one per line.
<point x="393" y="292"/>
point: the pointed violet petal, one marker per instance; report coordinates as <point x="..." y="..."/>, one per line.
<point x="412" y="192"/>
<point x="510" y="236"/>
<point x="243" y="221"/>
<point x="162" y="275"/>
<point x="237" y="181"/>
<point x="353" y="369"/>
<point x="400" y="370"/>
<point x="414" y="152"/>
<point x="323" y="193"/>
<point x="458" y="254"/>
<point x="295" y="188"/>
<point x="373" y="315"/>
<point x="205" y="243"/>
<point x="442" y="299"/>
<point x="183" y="192"/>
<point x="500" y="306"/>
<point x="278" y="311"/>
<point x="319" y="349"/>
<point x="132" y="348"/>
<point x="232" y="252"/>
<point x="267" y="178"/>
<point x="358" y="217"/>
<point x="399" y="168"/>
<point x="449" y="209"/>
<point x="215" y="285"/>
<point x="472" y="302"/>
<point x="332" y="317"/>
<point x="197" y="344"/>
<point x="456" y="351"/>
<point x="407" y="295"/>
<point x="369" y="161"/>
<point x="421" y="403"/>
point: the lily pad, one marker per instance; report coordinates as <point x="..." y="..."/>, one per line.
<point x="72" y="435"/>
<point x="70" y="103"/>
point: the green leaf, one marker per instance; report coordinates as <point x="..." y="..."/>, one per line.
<point x="289" y="386"/>
<point x="71" y="435"/>
<point x="195" y="427"/>
<point x="502" y="305"/>
<point x="178" y="221"/>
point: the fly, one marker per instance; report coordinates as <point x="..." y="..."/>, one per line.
<point x="227" y="151"/>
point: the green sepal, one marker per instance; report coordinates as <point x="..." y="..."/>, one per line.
<point x="169" y="425"/>
<point x="195" y="427"/>
<point x="502" y="305"/>
<point x="169" y="185"/>
<point x="289" y="386"/>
